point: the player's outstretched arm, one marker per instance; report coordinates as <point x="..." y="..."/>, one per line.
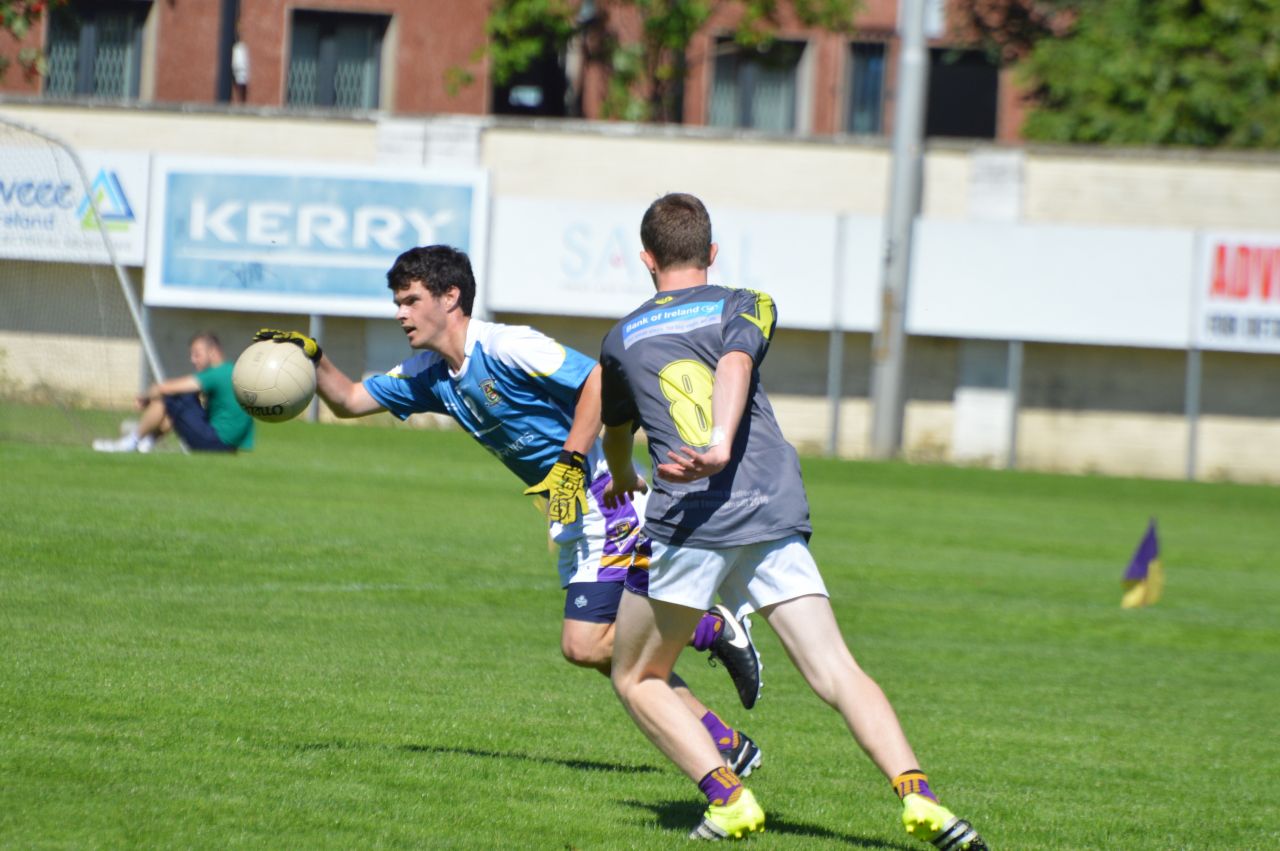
<point x="618" y="443"/>
<point x="728" y="403"/>
<point x="346" y="398"/>
<point x="586" y="415"/>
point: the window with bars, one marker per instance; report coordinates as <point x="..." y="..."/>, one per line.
<point x="335" y="60"/>
<point x="95" y="49"/>
<point x="865" y="110"/>
<point x="758" y="89"/>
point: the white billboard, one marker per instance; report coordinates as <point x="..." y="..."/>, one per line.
<point x="582" y="258"/>
<point x="1052" y="283"/>
<point x="45" y="212"/>
<point x="993" y="280"/>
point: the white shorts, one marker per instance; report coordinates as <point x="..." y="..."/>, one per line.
<point x="600" y="545"/>
<point x="747" y="578"/>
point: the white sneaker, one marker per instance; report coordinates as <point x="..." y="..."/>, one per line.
<point x="146" y="444"/>
<point x="124" y="444"/>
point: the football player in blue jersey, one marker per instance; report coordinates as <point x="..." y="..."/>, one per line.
<point x="728" y="515"/>
<point x="535" y="405"/>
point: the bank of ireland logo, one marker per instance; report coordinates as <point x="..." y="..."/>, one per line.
<point x="113" y="204"/>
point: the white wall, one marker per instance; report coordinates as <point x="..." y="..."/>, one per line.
<point x="1089" y="254"/>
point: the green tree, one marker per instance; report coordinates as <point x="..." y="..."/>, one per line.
<point x="1159" y="72"/>
<point x="646" y="73"/>
<point x="1008" y="29"/>
<point x="16" y="18"/>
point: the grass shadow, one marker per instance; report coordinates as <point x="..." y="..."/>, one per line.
<point x="682" y="816"/>
<point x="576" y="764"/>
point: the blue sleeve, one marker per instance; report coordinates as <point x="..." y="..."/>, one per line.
<point x="403" y="395"/>
<point x="564" y="383"/>
<point x="537" y="360"/>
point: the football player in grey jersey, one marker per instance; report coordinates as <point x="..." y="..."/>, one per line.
<point x="727" y="515"/>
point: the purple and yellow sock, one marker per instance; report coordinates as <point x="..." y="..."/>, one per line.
<point x="708" y="628"/>
<point x="721" y="786"/>
<point x="913" y="782"/>
<point x="725" y="737"/>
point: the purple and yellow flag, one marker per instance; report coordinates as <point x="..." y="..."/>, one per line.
<point x="1144" y="580"/>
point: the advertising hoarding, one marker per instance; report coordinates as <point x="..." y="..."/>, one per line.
<point x="45" y="212"/>
<point x="1238" y="292"/>
<point x="300" y="238"/>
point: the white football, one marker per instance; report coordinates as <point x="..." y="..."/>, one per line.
<point x="273" y="381"/>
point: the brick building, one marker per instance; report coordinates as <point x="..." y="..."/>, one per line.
<point x="396" y="56"/>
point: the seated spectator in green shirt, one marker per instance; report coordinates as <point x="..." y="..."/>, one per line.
<point x="217" y="425"/>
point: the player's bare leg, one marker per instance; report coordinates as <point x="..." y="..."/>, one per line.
<point x="807" y="628"/>
<point x="587" y="644"/>
<point x="649" y="637"/>
<point x="590" y="645"/>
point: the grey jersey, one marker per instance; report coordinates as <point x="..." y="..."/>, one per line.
<point x="658" y="371"/>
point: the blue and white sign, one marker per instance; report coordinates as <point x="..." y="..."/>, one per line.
<point x="312" y="239"/>
<point x="684" y="319"/>
<point x="45" y="212"/>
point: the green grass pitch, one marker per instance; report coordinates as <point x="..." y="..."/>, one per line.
<point x="349" y="639"/>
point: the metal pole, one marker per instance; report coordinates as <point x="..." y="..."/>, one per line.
<point x="1192" y="398"/>
<point x="835" y="346"/>
<point x="145" y="378"/>
<point x="888" y="352"/>
<point x="315" y="330"/>
<point x="1015" y="400"/>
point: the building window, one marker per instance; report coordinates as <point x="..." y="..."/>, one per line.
<point x="756" y="88"/>
<point x="335" y="60"/>
<point x="540" y="89"/>
<point x="865" y="111"/>
<point x="95" y="49"/>
<point x="962" y="94"/>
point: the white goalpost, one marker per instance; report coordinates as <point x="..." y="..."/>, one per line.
<point x="72" y="330"/>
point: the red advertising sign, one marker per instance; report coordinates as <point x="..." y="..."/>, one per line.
<point x="1238" y="293"/>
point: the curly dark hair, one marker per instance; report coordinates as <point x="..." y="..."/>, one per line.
<point x="439" y="267"/>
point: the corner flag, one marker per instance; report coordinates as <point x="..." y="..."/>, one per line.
<point x="1144" y="580"/>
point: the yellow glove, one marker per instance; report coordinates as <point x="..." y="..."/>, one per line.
<point x="309" y="347"/>
<point x="565" y="487"/>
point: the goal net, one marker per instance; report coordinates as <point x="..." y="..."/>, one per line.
<point x="73" y="347"/>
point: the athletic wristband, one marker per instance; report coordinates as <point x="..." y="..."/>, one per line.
<point x="573" y="459"/>
<point x="717" y="437"/>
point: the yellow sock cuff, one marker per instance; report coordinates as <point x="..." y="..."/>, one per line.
<point x="911" y="782"/>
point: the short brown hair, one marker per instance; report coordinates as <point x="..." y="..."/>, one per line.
<point x="676" y="230"/>
<point x="209" y="338"/>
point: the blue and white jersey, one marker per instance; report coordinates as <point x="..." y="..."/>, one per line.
<point x="515" y="393"/>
